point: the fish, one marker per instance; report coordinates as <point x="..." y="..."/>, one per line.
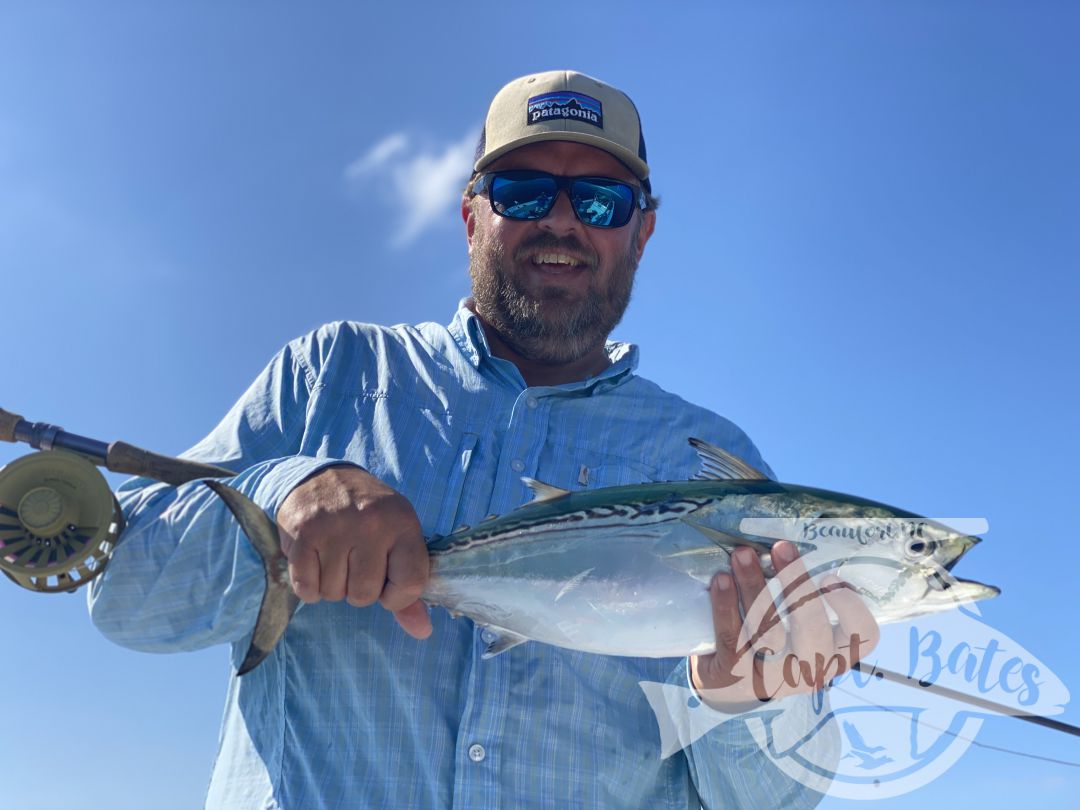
<point x="625" y="570"/>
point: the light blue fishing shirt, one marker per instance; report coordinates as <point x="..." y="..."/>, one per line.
<point x="349" y="711"/>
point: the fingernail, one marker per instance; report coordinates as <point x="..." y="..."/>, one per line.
<point x="785" y="551"/>
<point x="744" y="557"/>
<point x="723" y="582"/>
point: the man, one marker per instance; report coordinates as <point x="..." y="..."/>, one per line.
<point x="363" y="440"/>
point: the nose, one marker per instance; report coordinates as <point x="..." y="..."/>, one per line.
<point x="561" y="219"/>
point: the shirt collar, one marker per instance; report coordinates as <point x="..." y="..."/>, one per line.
<point x="469" y="335"/>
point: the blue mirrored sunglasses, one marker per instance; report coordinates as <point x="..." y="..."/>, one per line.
<point x="600" y="202"/>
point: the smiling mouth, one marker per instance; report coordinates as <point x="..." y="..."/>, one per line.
<point x="557" y="264"/>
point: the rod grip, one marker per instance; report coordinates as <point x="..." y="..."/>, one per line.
<point x="127" y="458"/>
<point x="8" y="421"/>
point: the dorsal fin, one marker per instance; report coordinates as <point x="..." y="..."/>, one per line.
<point x="720" y="465"/>
<point x="543" y="492"/>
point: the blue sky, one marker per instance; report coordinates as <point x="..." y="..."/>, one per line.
<point x="867" y="256"/>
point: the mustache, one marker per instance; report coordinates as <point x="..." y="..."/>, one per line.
<point x="550" y="243"/>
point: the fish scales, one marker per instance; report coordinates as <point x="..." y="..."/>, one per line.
<point x="625" y="570"/>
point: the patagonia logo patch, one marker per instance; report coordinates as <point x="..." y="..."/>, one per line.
<point x="566" y="104"/>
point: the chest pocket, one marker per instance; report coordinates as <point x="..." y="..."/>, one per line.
<point x="589" y="469"/>
<point x="455" y="483"/>
<point x="417" y="450"/>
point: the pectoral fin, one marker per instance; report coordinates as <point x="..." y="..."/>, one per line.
<point x="729" y="542"/>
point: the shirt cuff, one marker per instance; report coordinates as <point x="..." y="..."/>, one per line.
<point x="269" y="484"/>
<point x="688" y="720"/>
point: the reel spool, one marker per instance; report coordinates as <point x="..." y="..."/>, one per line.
<point x="59" y="521"/>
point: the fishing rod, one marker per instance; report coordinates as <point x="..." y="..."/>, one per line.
<point x="772" y="618"/>
<point x="971" y="700"/>
<point x="59" y="520"/>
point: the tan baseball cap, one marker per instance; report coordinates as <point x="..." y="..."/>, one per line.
<point x="563" y="105"/>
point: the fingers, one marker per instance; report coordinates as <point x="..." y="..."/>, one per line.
<point x="764" y="631"/>
<point x="366" y="575"/>
<point x="857" y="633"/>
<point x="811" y="651"/>
<point x="304" y="571"/>
<point x="724" y="678"/>
<point x="809" y="631"/>
<point x="414" y="620"/>
<point x="349" y="536"/>
<point x="727" y="623"/>
<point x="406" y="572"/>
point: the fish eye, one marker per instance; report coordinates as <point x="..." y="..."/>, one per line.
<point x="920" y="548"/>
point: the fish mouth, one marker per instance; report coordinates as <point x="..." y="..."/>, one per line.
<point x="963" y="591"/>
<point x="966" y="544"/>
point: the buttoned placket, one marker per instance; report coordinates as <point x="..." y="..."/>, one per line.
<point x="487" y="684"/>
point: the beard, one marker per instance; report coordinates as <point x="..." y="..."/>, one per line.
<point x="551" y="325"/>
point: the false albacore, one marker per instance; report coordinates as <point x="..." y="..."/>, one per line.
<point x="625" y="570"/>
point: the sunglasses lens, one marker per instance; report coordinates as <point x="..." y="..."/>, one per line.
<point x="602" y="203"/>
<point x="599" y="202"/>
<point x="522" y="197"/>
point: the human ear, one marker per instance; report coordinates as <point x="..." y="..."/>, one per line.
<point x="648" y="224"/>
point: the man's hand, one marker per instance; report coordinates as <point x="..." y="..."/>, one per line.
<point x="755" y="659"/>
<point x="348" y="535"/>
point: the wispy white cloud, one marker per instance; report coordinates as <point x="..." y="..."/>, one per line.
<point x="425" y="182"/>
<point x="378" y="155"/>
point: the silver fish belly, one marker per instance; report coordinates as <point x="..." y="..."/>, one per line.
<point x="625" y="570"/>
<point x="592" y="579"/>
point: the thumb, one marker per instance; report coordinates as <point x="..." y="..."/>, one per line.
<point x="414" y="620"/>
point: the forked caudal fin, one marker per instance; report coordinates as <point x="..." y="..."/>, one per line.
<point x="279" y="601"/>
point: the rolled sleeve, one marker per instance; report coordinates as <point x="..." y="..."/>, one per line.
<point x="183" y="575"/>
<point x="729" y="766"/>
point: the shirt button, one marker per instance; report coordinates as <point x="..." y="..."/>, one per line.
<point x="517" y="464"/>
<point x="477" y="752"/>
<point x="532" y="402"/>
<point x="487" y="636"/>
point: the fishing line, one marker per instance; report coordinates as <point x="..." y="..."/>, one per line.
<point x="971" y="700"/>
<point x="969" y="740"/>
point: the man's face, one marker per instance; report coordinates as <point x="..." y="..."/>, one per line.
<point x="553" y="288"/>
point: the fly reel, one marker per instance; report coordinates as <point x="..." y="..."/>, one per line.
<point x="59" y="521"/>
